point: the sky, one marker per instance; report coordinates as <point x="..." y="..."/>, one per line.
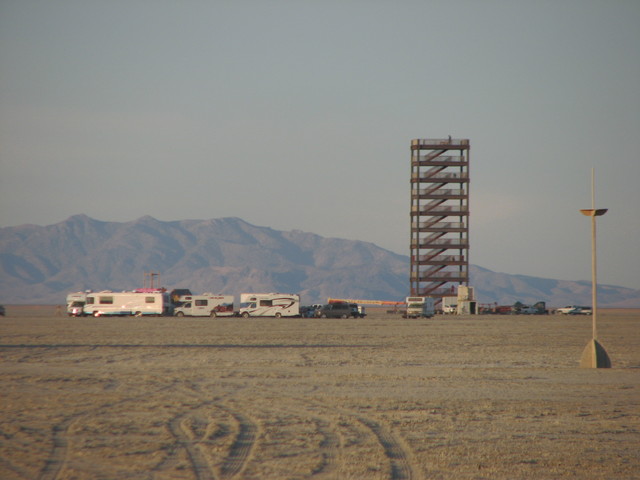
<point x="298" y="115"/>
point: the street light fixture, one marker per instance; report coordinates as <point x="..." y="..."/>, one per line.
<point x="594" y="354"/>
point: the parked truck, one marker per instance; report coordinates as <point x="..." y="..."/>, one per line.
<point x="141" y="302"/>
<point x="575" y="310"/>
<point x="205" y="305"/>
<point x="420" y="307"/>
<point x="269" y="305"/>
<point x="449" y="305"/>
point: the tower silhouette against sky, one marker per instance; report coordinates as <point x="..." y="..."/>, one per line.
<point x="439" y="216"/>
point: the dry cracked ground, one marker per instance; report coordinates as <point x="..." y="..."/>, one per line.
<point x="482" y="397"/>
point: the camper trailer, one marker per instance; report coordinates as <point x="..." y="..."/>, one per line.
<point x="139" y="303"/>
<point x="75" y="304"/>
<point x="205" y="305"/>
<point x="420" y="307"/>
<point x="269" y="305"/>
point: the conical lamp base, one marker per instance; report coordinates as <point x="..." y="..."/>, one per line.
<point x="594" y="356"/>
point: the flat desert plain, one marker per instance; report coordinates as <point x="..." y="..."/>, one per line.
<point x="469" y="397"/>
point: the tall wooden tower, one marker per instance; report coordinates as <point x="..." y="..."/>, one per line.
<point x="439" y="216"/>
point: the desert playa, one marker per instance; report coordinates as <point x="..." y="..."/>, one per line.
<point x="483" y="397"/>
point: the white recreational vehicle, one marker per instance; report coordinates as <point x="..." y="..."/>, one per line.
<point x="75" y="304"/>
<point x="269" y="305"/>
<point x="144" y="301"/>
<point x="420" y="307"/>
<point x="205" y="305"/>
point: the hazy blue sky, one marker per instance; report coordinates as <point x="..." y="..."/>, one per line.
<point x="299" y="115"/>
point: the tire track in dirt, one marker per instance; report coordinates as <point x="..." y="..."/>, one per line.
<point x="201" y="467"/>
<point x="195" y="444"/>
<point x="329" y="448"/>
<point x="332" y="442"/>
<point x="241" y="448"/>
<point x="186" y="438"/>
<point x="395" y="452"/>
<point x="399" y="456"/>
<point x="59" y="454"/>
<point x="243" y="444"/>
<point x="60" y="450"/>
<point x="17" y="470"/>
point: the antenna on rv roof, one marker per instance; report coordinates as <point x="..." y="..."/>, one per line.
<point x="151" y="276"/>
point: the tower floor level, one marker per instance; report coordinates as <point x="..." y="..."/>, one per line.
<point x="439" y="215"/>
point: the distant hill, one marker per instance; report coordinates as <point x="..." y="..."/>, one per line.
<point x="41" y="264"/>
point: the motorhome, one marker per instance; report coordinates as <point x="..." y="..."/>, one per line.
<point x="269" y="305"/>
<point x="141" y="302"/>
<point x="205" y="305"/>
<point x="420" y="307"/>
<point x="75" y="304"/>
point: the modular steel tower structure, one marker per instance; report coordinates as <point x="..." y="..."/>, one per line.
<point x="439" y="216"/>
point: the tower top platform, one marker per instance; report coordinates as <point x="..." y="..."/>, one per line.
<point x="440" y="143"/>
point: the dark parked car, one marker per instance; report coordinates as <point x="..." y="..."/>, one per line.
<point x="336" y="310"/>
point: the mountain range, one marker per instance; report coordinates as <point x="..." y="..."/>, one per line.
<point x="42" y="264"/>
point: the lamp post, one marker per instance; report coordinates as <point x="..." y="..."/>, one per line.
<point x="594" y="355"/>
